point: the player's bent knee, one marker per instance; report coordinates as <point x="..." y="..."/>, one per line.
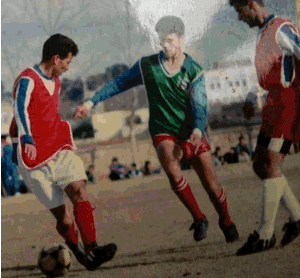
<point x="64" y="225"/>
<point x="77" y="191"/>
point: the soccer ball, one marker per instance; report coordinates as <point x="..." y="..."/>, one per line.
<point x="54" y="260"/>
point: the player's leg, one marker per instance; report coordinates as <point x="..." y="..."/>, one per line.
<point x="71" y="178"/>
<point x="268" y="158"/>
<point x="40" y="182"/>
<point x="66" y="228"/>
<point x="203" y="165"/>
<point x="169" y="154"/>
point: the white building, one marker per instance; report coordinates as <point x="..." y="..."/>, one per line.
<point x="230" y="81"/>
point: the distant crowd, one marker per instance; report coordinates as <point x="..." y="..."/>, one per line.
<point x="12" y="183"/>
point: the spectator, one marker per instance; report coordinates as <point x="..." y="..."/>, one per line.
<point x="244" y="156"/>
<point x="117" y="170"/>
<point x="90" y="172"/>
<point x="231" y="156"/>
<point x="147" y="169"/>
<point x="217" y="153"/>
<point x="9" y="170"/>
<point x="134" y="172"/>
<point x="242" y="146"/>
<point x="216" y="160"/>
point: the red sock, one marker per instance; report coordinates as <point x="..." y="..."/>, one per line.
<point x="85" y="221"/>
<point x="183" y="191"/>
<point x="223" y="209"/>
<point x="69" y="235"/>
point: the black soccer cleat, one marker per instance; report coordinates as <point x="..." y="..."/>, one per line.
<point x="100" y="255"/>
<point x="255" y="245"/>
<point x="78" y="252"/>
<point x="292" y="230"/>
<point x="200" y="229"/>
<point x="230" y="232"/>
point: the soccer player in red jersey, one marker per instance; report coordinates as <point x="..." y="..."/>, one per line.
<point x="178" y="111"/>
<point x="44" y="147"/>
<point x="277" y="63"/>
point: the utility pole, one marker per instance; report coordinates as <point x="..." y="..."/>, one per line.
<point x="297" y="4"/>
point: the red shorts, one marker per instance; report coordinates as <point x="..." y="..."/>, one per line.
<point x="281" y="115"/>
<point x="186" y="146"/>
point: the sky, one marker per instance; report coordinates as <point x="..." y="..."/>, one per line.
<point x="99" y="27"/>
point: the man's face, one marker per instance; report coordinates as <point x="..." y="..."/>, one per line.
<point x="62" y="65"/>
<point x="171" y="44"/>
<point x="242" y="141"/>
<point x="246" y="14"/>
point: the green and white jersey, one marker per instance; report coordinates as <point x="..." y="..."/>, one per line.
<point x="177" y="102"/>
<point x="169" y="95"/>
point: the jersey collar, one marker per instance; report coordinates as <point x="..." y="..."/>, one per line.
<point x="186" y="64"/>
<point x="269" y="18"/>
<point x="38" y="69"/>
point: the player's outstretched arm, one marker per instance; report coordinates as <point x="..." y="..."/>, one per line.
<point x="130" y="79"/>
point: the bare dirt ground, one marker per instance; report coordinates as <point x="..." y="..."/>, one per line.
<point x="150" y="226"/>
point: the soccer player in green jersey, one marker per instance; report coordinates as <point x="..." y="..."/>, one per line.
<point x="178" y="112"/>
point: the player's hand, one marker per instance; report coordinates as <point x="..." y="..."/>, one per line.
<point x="30" y="151"/>
<point x="195" y="139"/>
<point x="81" y="112"/>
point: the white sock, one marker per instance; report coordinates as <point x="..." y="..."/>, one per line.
<point x="290" y="202"/>
<point x="272" y="190"/>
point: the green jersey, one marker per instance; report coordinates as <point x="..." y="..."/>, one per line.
<point x="177" y="103"/>
<point x="169" y="95"/>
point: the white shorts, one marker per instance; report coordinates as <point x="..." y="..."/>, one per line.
<point x="48" y="182"/>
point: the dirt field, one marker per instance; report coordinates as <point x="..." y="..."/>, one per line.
<point x="149" y="225"/>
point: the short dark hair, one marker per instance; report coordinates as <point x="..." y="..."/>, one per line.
<point x="3" y="136"/>
<point x="114" y="159"/>
<point x="245" y="2"/>
<point x="59" y="44"/>
<point x="133" y="164"/>
<point x="170" y="24"/>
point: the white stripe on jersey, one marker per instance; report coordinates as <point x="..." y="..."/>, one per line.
<point x="288" y="44"/>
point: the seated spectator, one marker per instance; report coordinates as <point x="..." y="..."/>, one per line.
<point x="217" y="153"/>
<point x="134" y="172"/>
<point x="244" y="156"/>
<point x="231" y="156"/>
<point x="147" y="169"/>
<point x="216" y="160"/>
<point x="242" y="146"/>
<point x="9" y="172"/>
<point x="117" y="170"/>
<point x="90" y="172"/>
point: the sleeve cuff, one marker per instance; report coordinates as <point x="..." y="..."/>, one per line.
<point x="27" y="139"/>
<point x="89" y="104"/>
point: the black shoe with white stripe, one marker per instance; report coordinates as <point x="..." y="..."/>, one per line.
<point x="78" y="252"/>
<point x="99" y="255"/>
<point x="255" y="244"/>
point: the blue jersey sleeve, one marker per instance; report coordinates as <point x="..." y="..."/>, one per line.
<point x="199" y="103"/>
<point x="23" y="95"/>
<point x="130" y="79"/>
